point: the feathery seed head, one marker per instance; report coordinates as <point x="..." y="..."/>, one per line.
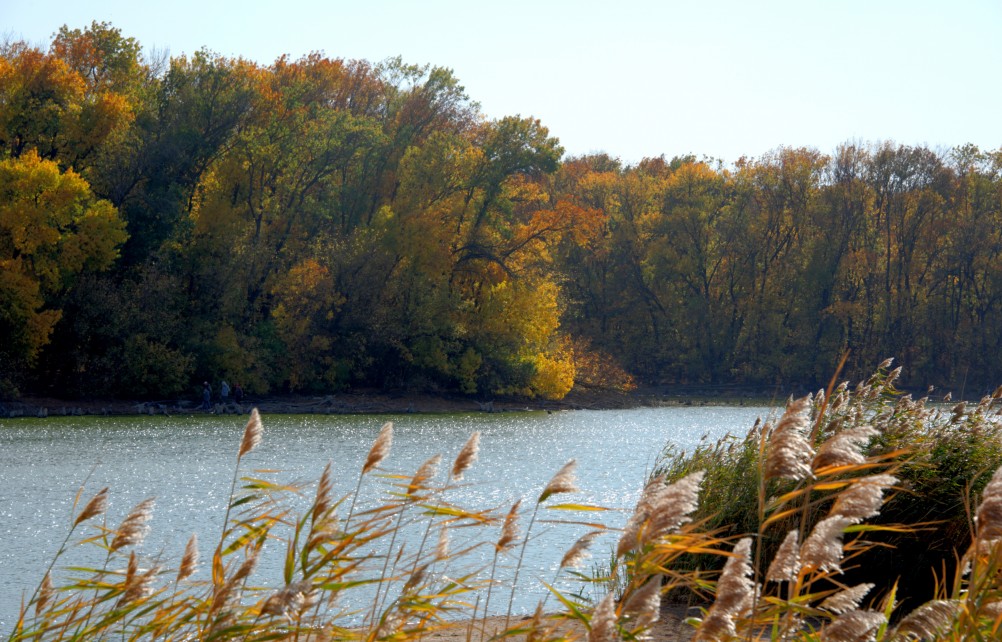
<point x="467" y="455"/>
<point x="139" y="586"/>
<point x="735" y="585"/>
<point x="189" y="561"/>
<point x="789" y="452"/>
<point x="863" y="498"/>
<point x="136" y="585"/>
<point x="322" y="503"/>
<point x="253" y="433"/>
<point x="134" y="528"/>
<point x="992" y="610"/>
<point x="823" y="548"/>
<point x="289" y="600"/>
<point x="926" y="621"/>
<point x="675" y="503"/>
<point x="660" y="510"/>
<point x="562" y="482"/>
<point x="989" y="515"/>
<point x="644" y="605"/>
<point x="380" y="448"/>
<point x="247" y="567"/>
<point x="442" y="547"/>
<point x="603" y="622"/>
<point x="847" y="600"/>
<point x="424" y="474"/>
<point x="853" y="626"/>
<point x="785" y="565"/>
<point x="97" y="505"/>
<point x="45" y="592"/>
<point x="735" y="592"/>
<point x="390" y="624"/>
<point x="844" y="448"/>
<point x="958" y="412"/>
<point x="578" y="552"/>
<point x="509" y="530"/>
<point x="415" y="579"/>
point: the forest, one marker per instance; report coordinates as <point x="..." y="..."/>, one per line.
<point x="321" y="224"/>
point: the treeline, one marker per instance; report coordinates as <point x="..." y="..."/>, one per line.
<point x="320" y="224"/>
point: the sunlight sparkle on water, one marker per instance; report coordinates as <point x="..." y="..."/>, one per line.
<point x="187" y="464"/>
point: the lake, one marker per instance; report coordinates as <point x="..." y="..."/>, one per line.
<point x="187" y="463"/>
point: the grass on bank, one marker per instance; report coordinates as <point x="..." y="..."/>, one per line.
<point x="792" y="513"/>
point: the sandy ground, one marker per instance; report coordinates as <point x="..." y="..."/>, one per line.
<point x="671" y="627"/>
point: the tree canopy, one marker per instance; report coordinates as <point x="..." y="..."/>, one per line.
<point x="319" y="224"/>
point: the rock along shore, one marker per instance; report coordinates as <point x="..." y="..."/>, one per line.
<point x="378" y="402"/>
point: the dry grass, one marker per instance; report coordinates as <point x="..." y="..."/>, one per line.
<point x="820" y="474"/>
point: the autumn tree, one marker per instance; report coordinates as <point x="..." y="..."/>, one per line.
<point x="52" y="229"/>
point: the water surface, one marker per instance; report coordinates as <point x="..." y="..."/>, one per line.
<point x="187" y="463"/>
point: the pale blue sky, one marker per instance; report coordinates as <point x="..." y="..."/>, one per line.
<point x="630" y="78"/>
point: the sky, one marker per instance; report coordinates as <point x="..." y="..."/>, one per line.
<point x="633" y="79"/>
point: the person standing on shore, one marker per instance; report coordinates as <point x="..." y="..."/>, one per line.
<point x="238" y="393"/>
<point x="224" y="392"/>
<point x="206" y="396"/>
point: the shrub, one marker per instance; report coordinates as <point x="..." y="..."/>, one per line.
<point x="942" y="454"/>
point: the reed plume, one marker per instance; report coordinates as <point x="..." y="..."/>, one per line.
<point x="927" y="621"/>
<point x="789" y="451"/>
<point x="509" y="529"/>
<point x="660" y="510"/>
<point x="322" y="501"/>
<point x="644" y="604"/>
<point x="377" y="453"/>
<point x="45" y="593"/>
<point x="467" y="456"/>
<point x="735" y="593"/>
<point x="442" y="546"/>
<point x="289" y="601"/>
<point x="854" y="626"/>
<point x="189" y="560"/>
<point x="424" y="474"/>
<point x="989" y="515"/>
<point x="96" y="506"/>
<point x="785" y="566"/>
<point x="134" y="527"/>
<point x="578" y="552"/>
<point x="603" y="626"/>
<point x="138" y="585"/>
<point x="823" y="548"/>
<point x="863" y="498"/>
<point x="846" y="600"/>
<point x="562" y="482"/>
<point x="380" y="448"/>
<point x="844" y="448"/>
<point x="253" y="433"/>
<point x="506" y="541"/>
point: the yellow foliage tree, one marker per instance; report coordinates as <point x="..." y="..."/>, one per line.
<point x="51" y="229"/>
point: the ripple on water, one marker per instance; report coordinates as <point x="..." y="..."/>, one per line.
<point x="187" y="464"/>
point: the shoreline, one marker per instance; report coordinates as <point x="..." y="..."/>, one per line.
<point x="381" y="402"/>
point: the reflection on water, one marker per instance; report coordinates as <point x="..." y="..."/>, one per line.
<point x="187" y="464"/>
